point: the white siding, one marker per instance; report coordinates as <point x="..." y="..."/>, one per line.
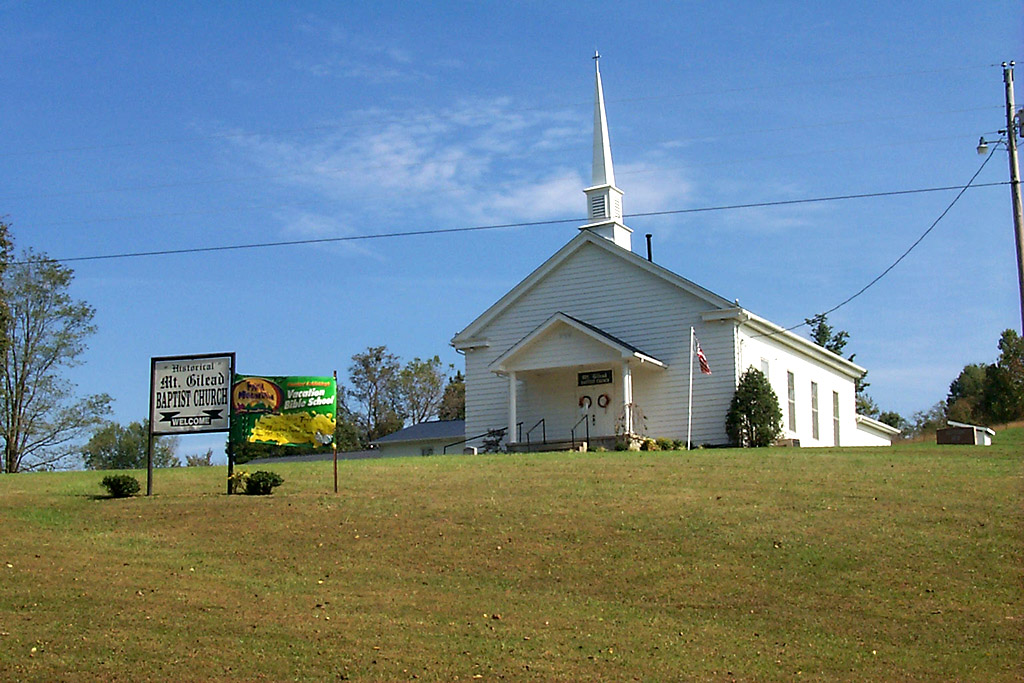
<point x="563" y="346"/>
<point x="871" y="433"/>
<point x="782" y="359"/>
<point x="626" y="301"/>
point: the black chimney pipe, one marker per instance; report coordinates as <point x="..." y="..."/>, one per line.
<point x="648" y="236"/>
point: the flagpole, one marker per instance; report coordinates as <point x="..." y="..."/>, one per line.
<point x="689" y="399"/>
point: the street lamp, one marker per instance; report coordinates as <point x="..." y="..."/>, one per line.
<point x="1013" y="130"/>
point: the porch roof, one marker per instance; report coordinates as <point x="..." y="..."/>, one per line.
<point x="539" y="349"/>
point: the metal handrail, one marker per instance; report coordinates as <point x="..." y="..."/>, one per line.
<point x="543" y="432"/>
<point x="489" y="432"/>
<point x="572" y="432"/>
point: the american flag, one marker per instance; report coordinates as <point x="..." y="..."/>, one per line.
<point x="702" y="359"/>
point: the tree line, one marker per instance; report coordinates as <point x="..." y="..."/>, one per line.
<point x="983" y="393"/>
<point x="44" y="422"/>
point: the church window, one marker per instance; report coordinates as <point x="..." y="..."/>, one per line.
<point x="791" y="389"/>
<point x="814" y="410"/>
<point x="835" y="417"/>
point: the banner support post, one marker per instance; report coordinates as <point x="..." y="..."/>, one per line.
<point x="334" y="437"/>
<point x="231" y="461"/>
<point x="149" y="462"/>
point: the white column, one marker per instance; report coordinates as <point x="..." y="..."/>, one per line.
<point x="510" y="436"/>
<point x="627" y="396"/>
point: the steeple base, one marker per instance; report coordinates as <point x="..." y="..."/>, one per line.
<point x="614" y="231"/>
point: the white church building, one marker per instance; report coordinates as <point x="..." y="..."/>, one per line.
<point x="595" y="345"/>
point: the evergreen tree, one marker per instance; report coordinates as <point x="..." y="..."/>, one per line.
<point x="754" y="418"/>
<point x="453" y="403"/>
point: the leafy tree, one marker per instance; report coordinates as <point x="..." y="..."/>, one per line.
<point x="754" y="417"/>
<point x="453" y="402"/>
<point x="927" y="421"/>
<point x="966" y="392"/>
<point x="420" y="388"/>
<point x="347" y="433"/>
<point x="200" y="459"/>
<point x="115" y="447"/>
<point x="893" y="419"/>
<point x="375" y="388"/>
<point x="5" y="259"/>
<point x="1003" y="395"/>
<point x="44" y="333"/>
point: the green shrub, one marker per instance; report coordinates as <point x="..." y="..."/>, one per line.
<point x="262" y="483"/>
<point x="754" y="418"/>
<point x="650" y="445"/>
<point x="121" y="485"/>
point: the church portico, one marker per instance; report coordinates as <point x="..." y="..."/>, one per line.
<point x="570" y="382"/>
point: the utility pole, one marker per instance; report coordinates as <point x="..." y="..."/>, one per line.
<point x="1012" y="130"/>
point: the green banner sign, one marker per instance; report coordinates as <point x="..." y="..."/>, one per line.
<point x="286" y="411"/>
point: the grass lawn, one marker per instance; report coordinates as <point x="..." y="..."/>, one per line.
<point x="861" y="564"/>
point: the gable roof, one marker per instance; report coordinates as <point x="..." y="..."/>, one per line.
<point x="424" y="431"/>
<point x="870" y="424"/>
<point x="625" y="349"/>
<point x="464" y="339"/>
<point x="720" y="308"/>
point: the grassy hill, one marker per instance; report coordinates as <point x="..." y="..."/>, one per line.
<point x="857" y="564"/>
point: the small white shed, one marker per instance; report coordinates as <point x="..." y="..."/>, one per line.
<point x="965" y="434"/>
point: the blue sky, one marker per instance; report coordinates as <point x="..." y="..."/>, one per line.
<point x="146" y="126"/>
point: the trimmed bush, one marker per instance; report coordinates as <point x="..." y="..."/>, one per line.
<point x="121" y="485"/>
<point x="754" y="418"/>
<point x="262" y="483"/>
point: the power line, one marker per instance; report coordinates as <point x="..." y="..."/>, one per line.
<point x="499" y="226"/>
<point x="970" y="184"/>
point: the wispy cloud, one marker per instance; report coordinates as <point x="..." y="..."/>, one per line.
<point x="474" y="162"/>
<point x="347" y="53"/>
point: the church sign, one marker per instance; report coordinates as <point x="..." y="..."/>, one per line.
<point x="589" y="379"/>
<point x="191" y="394"/>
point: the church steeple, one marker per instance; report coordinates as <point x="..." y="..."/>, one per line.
<point x="603" y="173"/>
<point x="604" y="200"/>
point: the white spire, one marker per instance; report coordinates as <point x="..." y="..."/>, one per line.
<point x="603" y="173"/>
<point x="604" y="200"/>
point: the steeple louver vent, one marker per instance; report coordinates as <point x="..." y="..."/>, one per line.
<point x="598" y="207"/>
